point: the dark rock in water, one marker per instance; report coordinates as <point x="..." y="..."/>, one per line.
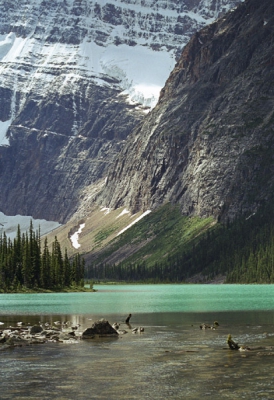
<point x="139" y="329"/>
<point x="204" y="326"/>
<point x="101" y="328"/>
<point x="128" y="318"/>
<point x="16" y="341"/>
<point x="2" y="339"/>
<point x="49" y="332"/>
<point x="63" y="337"/>
<point x="36" y="329"/>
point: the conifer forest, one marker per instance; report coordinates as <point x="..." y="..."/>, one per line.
<point x="26" y="262"/>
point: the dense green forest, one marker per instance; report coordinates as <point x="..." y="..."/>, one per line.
<point x="242" y="250"/>
<point x="26" y="263"/>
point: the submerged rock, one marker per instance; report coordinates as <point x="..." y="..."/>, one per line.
<point x="140" y="329"/>
<point x="122" y="331"/>
<point x="206" y="326"/>
<point x="99" y="328"/>
<point x="16" y="340"/>
<point x="22" y="336"/>
<point x="67" y="337"/>
<point x="35" y="334"/>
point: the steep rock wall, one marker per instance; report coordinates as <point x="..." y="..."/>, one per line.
<point x="208" y="144"/>
<point x="75" y="78"/>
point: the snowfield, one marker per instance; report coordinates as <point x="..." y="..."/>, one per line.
<point x="133" y="41"/>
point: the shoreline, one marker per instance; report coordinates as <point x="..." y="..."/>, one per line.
<point x="39" y="290"/>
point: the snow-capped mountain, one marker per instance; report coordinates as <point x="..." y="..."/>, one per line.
<point x="75" y="77"/>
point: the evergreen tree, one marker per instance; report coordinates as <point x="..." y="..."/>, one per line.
<point x="23" y="263"/>
<point x="45" y="275"/>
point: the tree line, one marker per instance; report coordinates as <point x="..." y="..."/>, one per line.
<point x="25" y="262"/>
<point x="241" y="250"/>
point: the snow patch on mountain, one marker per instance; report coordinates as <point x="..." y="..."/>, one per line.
<point x="134" y="222"/>
<point x="4" y="126"/>
<point x="6" y="43"/>
<point x="131" y="41"/>
<point x="139" y="71"/>
<point x="75" y="237"/>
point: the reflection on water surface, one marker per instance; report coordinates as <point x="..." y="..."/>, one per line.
<point x="173" y="359"/>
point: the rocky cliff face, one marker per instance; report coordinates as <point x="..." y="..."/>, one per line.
<point x="209" y="143"/>
<point x="75" y="78"/>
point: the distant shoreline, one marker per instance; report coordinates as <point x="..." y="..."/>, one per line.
<point x="40" y="290"/>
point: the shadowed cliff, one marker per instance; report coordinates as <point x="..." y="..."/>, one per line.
<point x="208" y="144"/>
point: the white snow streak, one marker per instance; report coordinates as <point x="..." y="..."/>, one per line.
<point x="74" y="238"/>
<point x="134" y="222"/>
<point x="125" y="211"/>
<point x="107" y="210"/>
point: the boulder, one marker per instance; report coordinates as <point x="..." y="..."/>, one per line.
<point x="99" y="328"/>
<point x="36" y="329"/>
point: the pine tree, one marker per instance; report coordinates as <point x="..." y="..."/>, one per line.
<point x="45" y="275"/>
<point x="23" y="263"/>
<point x="67" y="270"/>
<point x="26" y="263"/>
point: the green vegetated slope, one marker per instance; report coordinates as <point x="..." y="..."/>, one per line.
<point x="156" y="236"/>
<point x="168" y="247"/>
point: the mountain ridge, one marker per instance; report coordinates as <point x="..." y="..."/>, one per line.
<point x="202" y="155"/>
<point x="197" y="145"/>
<point x="76" y="77"/>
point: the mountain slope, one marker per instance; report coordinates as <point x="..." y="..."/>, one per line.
<point x="75" y="78"/>
<point x="208" y="144"/>
<point x="205" y="152"/>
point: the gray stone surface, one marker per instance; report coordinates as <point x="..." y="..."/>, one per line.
<point x="208" y="144"/>
<point x="66" y="130"/>
<point x="99" y="328"/>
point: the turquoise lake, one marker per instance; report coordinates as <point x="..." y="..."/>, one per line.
<point x="112" y="299"/>
<point x="173" y="358"/>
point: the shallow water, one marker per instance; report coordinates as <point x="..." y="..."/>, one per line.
<point x="173" y="358"/>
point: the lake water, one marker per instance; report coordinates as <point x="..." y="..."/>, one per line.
<point x="172" y="359"/>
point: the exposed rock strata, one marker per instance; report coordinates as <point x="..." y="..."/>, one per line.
<point x="208" y="144"/>
<point x="44" y="169"/>
<point x="65" y="113"/>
